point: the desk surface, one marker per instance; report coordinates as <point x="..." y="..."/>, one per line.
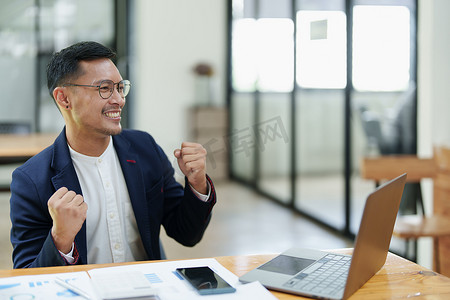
<point x="399" y="278"/>
<point x="15" y="147"/>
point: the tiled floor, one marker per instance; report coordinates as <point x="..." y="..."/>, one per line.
<point x="243" y="223"/>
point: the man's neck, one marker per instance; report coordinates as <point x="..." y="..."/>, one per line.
<point x="91" y="145"/>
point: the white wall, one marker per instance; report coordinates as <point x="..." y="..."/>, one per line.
<point x="433" y="91"/>
<point x="434" y="74"/>
<point x="440" y="72"/>
<point x="173" y="36"/>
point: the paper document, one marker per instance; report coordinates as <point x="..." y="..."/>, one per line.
<point x="162" y="278"/>
<point x="122" y="285"/>
<point x="170" y="286"/>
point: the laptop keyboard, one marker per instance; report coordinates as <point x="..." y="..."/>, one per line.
<point x="327" y="276"/>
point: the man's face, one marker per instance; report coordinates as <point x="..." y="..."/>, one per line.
<point x="91" y="114"/>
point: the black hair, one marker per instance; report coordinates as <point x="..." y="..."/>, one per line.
<point x="64" y="65"/>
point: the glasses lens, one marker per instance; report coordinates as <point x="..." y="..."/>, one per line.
<point x="124" y="87"/>
<point x="106" y="89"/>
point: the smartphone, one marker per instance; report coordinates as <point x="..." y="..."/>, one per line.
<point x="205" y="280"/>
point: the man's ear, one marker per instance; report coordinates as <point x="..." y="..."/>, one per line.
<point x="61" y="98"/>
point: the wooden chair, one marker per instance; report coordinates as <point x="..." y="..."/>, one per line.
<point x="441" y="204"/>
<point x="413" y="227"/>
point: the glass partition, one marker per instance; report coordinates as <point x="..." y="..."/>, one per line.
<point x="242" y="138"/>
<point x="18" y="52"/>
<point x="384" y="95"/>
<point x="323" y="72"/>
<point x="321" y="78"/>
<point x="320" y="151"/>
<point x="30" y="32"/>
<point x="274" y="177"/>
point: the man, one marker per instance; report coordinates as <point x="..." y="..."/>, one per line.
<point x="100" y="194"/>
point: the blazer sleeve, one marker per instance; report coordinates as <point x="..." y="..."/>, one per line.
<point x="185" y="216"/>
<point x="31" y="224"/>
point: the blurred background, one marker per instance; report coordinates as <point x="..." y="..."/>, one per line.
<point x="287" y="96"/>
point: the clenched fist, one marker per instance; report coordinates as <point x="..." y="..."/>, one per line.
<point x="192" y="162"/>
<point x="68" y="211"/>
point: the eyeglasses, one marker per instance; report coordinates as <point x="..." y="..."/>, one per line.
<point x="106" y="87"/>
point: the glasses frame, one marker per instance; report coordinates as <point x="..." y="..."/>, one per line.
<point x="115" y="84"/>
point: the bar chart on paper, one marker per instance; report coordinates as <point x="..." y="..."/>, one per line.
<point x="153" y="278"/>
<point x="39" y="287"/>
<point x="33" y="284"/>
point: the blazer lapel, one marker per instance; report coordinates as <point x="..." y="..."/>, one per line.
<point x="66" y="176"/>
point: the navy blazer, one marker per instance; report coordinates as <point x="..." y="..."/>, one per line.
<point x="157" y="199"/>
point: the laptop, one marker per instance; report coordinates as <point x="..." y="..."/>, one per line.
<point x="326" y="275"/>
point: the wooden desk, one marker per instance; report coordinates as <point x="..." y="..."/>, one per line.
<point x="399" y="278"/>
<point x="18" y="148"/>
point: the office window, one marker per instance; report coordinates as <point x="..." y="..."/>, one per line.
<point x="275" y="55"/>
<point x="381" y="48"/>
<point x="321" y="49"/>
<point x="263" y="55"/>
<point x="244" y="62"/>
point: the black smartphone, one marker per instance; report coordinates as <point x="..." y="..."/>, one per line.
<point x="205" y="280"/>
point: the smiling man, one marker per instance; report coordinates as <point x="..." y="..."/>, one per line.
<point x="100" y="194"/>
